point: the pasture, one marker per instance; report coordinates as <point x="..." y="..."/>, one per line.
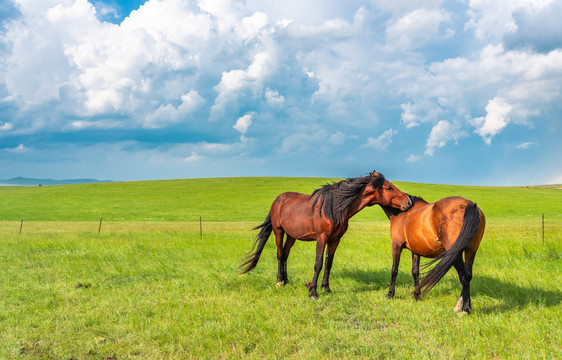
<point x="150" y="286"/>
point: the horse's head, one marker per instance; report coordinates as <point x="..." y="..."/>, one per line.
<point x="386" y="194"/>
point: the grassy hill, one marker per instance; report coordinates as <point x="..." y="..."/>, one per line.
<point x="234" y="199"/>
<point x="150" y="286"/>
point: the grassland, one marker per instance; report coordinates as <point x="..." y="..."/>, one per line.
<point x="149" y="286"/>
<point x="233" y="199"/>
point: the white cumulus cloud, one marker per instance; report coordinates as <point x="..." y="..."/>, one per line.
<point x="193" y="157"/>
<point x="169" y="114"/>
<point x="381" y="142"/>
<point x="440" y="135"/>
<point x="416" y="28"/>
<point x="496" y="119"/>
<point x="236" y="83"/>
<point x="493" y="18"/>
<point x="6" y="126"/>
<point x="21" y="148"/>
<point x="413" y="158"/>
<point x="243" y="123"/>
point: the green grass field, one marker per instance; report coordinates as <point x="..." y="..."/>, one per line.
<point x="150" y="287"/>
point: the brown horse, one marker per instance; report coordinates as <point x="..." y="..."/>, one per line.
<point x="322" y="217"/>
<point x="442" y="230"/>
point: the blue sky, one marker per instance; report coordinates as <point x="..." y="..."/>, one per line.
<point x="452" y="92"/>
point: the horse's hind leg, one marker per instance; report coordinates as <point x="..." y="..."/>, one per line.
<point x="416" y="274"/>
<point x="289" y="242"/>
<point x="329" y="260"/>
<point x="464" y="303"/>
<point x="279" y="233"/>
<point x="396" y="251"/>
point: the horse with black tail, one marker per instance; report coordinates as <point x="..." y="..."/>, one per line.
<point x="443" y="230"/>
<point x="322" y="217"/>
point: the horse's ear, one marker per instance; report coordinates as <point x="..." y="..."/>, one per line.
<point x="374" y="174"/>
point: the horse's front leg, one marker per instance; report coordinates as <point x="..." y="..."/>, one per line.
<point x="396" y="251"/>
<point x="416" y="274"/>
<point x="320" y="245"/>
<point x="332" y="246"/>
<point x="289" y="242"/>
<point x="279" y="233"/>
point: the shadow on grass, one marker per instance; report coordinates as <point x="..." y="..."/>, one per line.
<point x="509" y="295"/>
<point x="369" y="280"/>
<point x="512" y="296"/>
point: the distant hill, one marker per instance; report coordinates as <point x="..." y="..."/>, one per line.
<point x="21" y="181"/>
<point x="243" y="200"/>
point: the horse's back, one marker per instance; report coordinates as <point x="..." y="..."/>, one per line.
<point x="289" y="201"/>
<point x="288" y="198"/>
<point x="452" y="203"/>
<point x="292" y="211"/>
<point x="450" y="209"/>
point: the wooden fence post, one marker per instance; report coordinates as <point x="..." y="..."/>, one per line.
<point x="543" y="228"/>
<point x="99" y="229"/>
<point x="21" y="225"/>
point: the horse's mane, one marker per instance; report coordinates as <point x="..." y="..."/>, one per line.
<point x="336" y="199"/>
<point x="414" y="199"/>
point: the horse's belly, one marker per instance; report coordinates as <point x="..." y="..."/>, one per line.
<point x="301" y="233"/>
<point x="426" y="244"/>
<point x="298" y="228"/>
<point x="426" y="251"/>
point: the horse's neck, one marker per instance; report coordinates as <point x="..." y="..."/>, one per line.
<point x="358" y="205"/>
<point x="390" y="212"/>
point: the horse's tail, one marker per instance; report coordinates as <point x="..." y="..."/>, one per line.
<point x="251" y="259"/>
<point x="471" y="222"/>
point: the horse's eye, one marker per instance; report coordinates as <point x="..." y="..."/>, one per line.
<point x="389" y="188"/>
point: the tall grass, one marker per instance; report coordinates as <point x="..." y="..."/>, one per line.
<point x="163" y="294"/>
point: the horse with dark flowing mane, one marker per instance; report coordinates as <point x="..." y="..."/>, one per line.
<point x="442" y="230"/>
<point x="322" y="217"/>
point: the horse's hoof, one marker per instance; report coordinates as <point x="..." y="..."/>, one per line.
<point x="280" y="284"/>
<point x="327" y="290"/>
<point x="417" y="297"/>
<point x="389" y="295"/>
<point x="314" y="297"/>
<point x="459" y="305"/>
<point x="462" y="311"/>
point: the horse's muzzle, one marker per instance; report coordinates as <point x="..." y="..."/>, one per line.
<point x="407" y="206"/>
